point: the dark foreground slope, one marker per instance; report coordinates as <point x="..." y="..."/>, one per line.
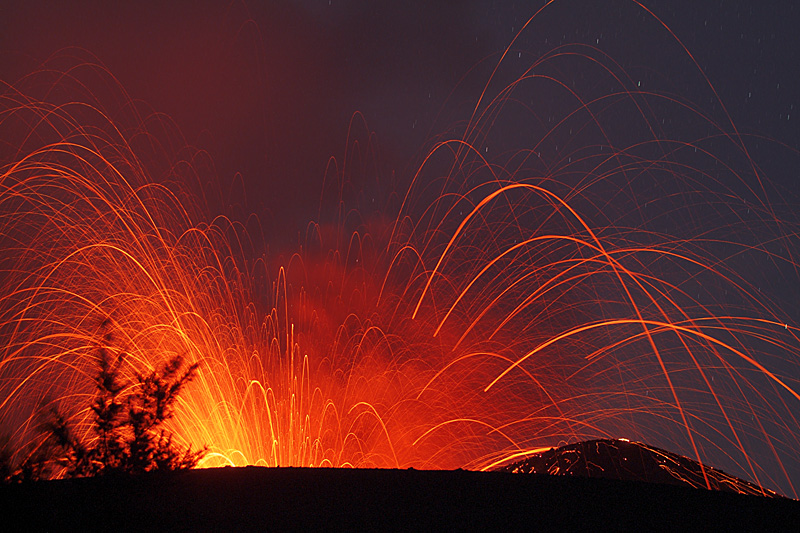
<point x="632" y="461"/>
<point x="290" y="498"/>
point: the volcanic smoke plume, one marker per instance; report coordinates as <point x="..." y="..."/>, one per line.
<point x="562" y="264"/>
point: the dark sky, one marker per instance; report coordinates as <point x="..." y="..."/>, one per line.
<point x="269" y="87"/>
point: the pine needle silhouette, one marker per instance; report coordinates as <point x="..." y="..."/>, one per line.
<point x="128" y="433"/>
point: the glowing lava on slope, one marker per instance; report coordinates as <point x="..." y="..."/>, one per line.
<point x="580" y="285"/>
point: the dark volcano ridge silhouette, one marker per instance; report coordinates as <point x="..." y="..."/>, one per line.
<point x="631" y="493"/>
<point x="632" y="461"/>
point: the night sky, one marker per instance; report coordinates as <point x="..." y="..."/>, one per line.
<point x="269" y="88"/>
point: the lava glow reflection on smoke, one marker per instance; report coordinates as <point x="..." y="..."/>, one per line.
<point x="582" y="283"/>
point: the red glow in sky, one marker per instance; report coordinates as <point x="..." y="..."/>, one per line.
<point x="588" y="239"/>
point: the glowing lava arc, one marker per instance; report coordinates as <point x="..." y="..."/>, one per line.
<point x="579" y="285"/>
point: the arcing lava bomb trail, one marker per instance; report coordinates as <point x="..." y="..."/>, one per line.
<point x="578" y="281"/>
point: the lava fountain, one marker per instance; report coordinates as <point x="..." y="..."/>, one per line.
<point x="587" y="281"/>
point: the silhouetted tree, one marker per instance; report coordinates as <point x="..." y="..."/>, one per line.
<point x="126" y="434"/>
<point x="127" y="423"/>
<point x="31" y="462"/>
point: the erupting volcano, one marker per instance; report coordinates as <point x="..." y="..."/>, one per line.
<point x="544" y="276"/>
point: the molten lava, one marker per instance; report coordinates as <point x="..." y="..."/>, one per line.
<point x="549" y="294"/>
